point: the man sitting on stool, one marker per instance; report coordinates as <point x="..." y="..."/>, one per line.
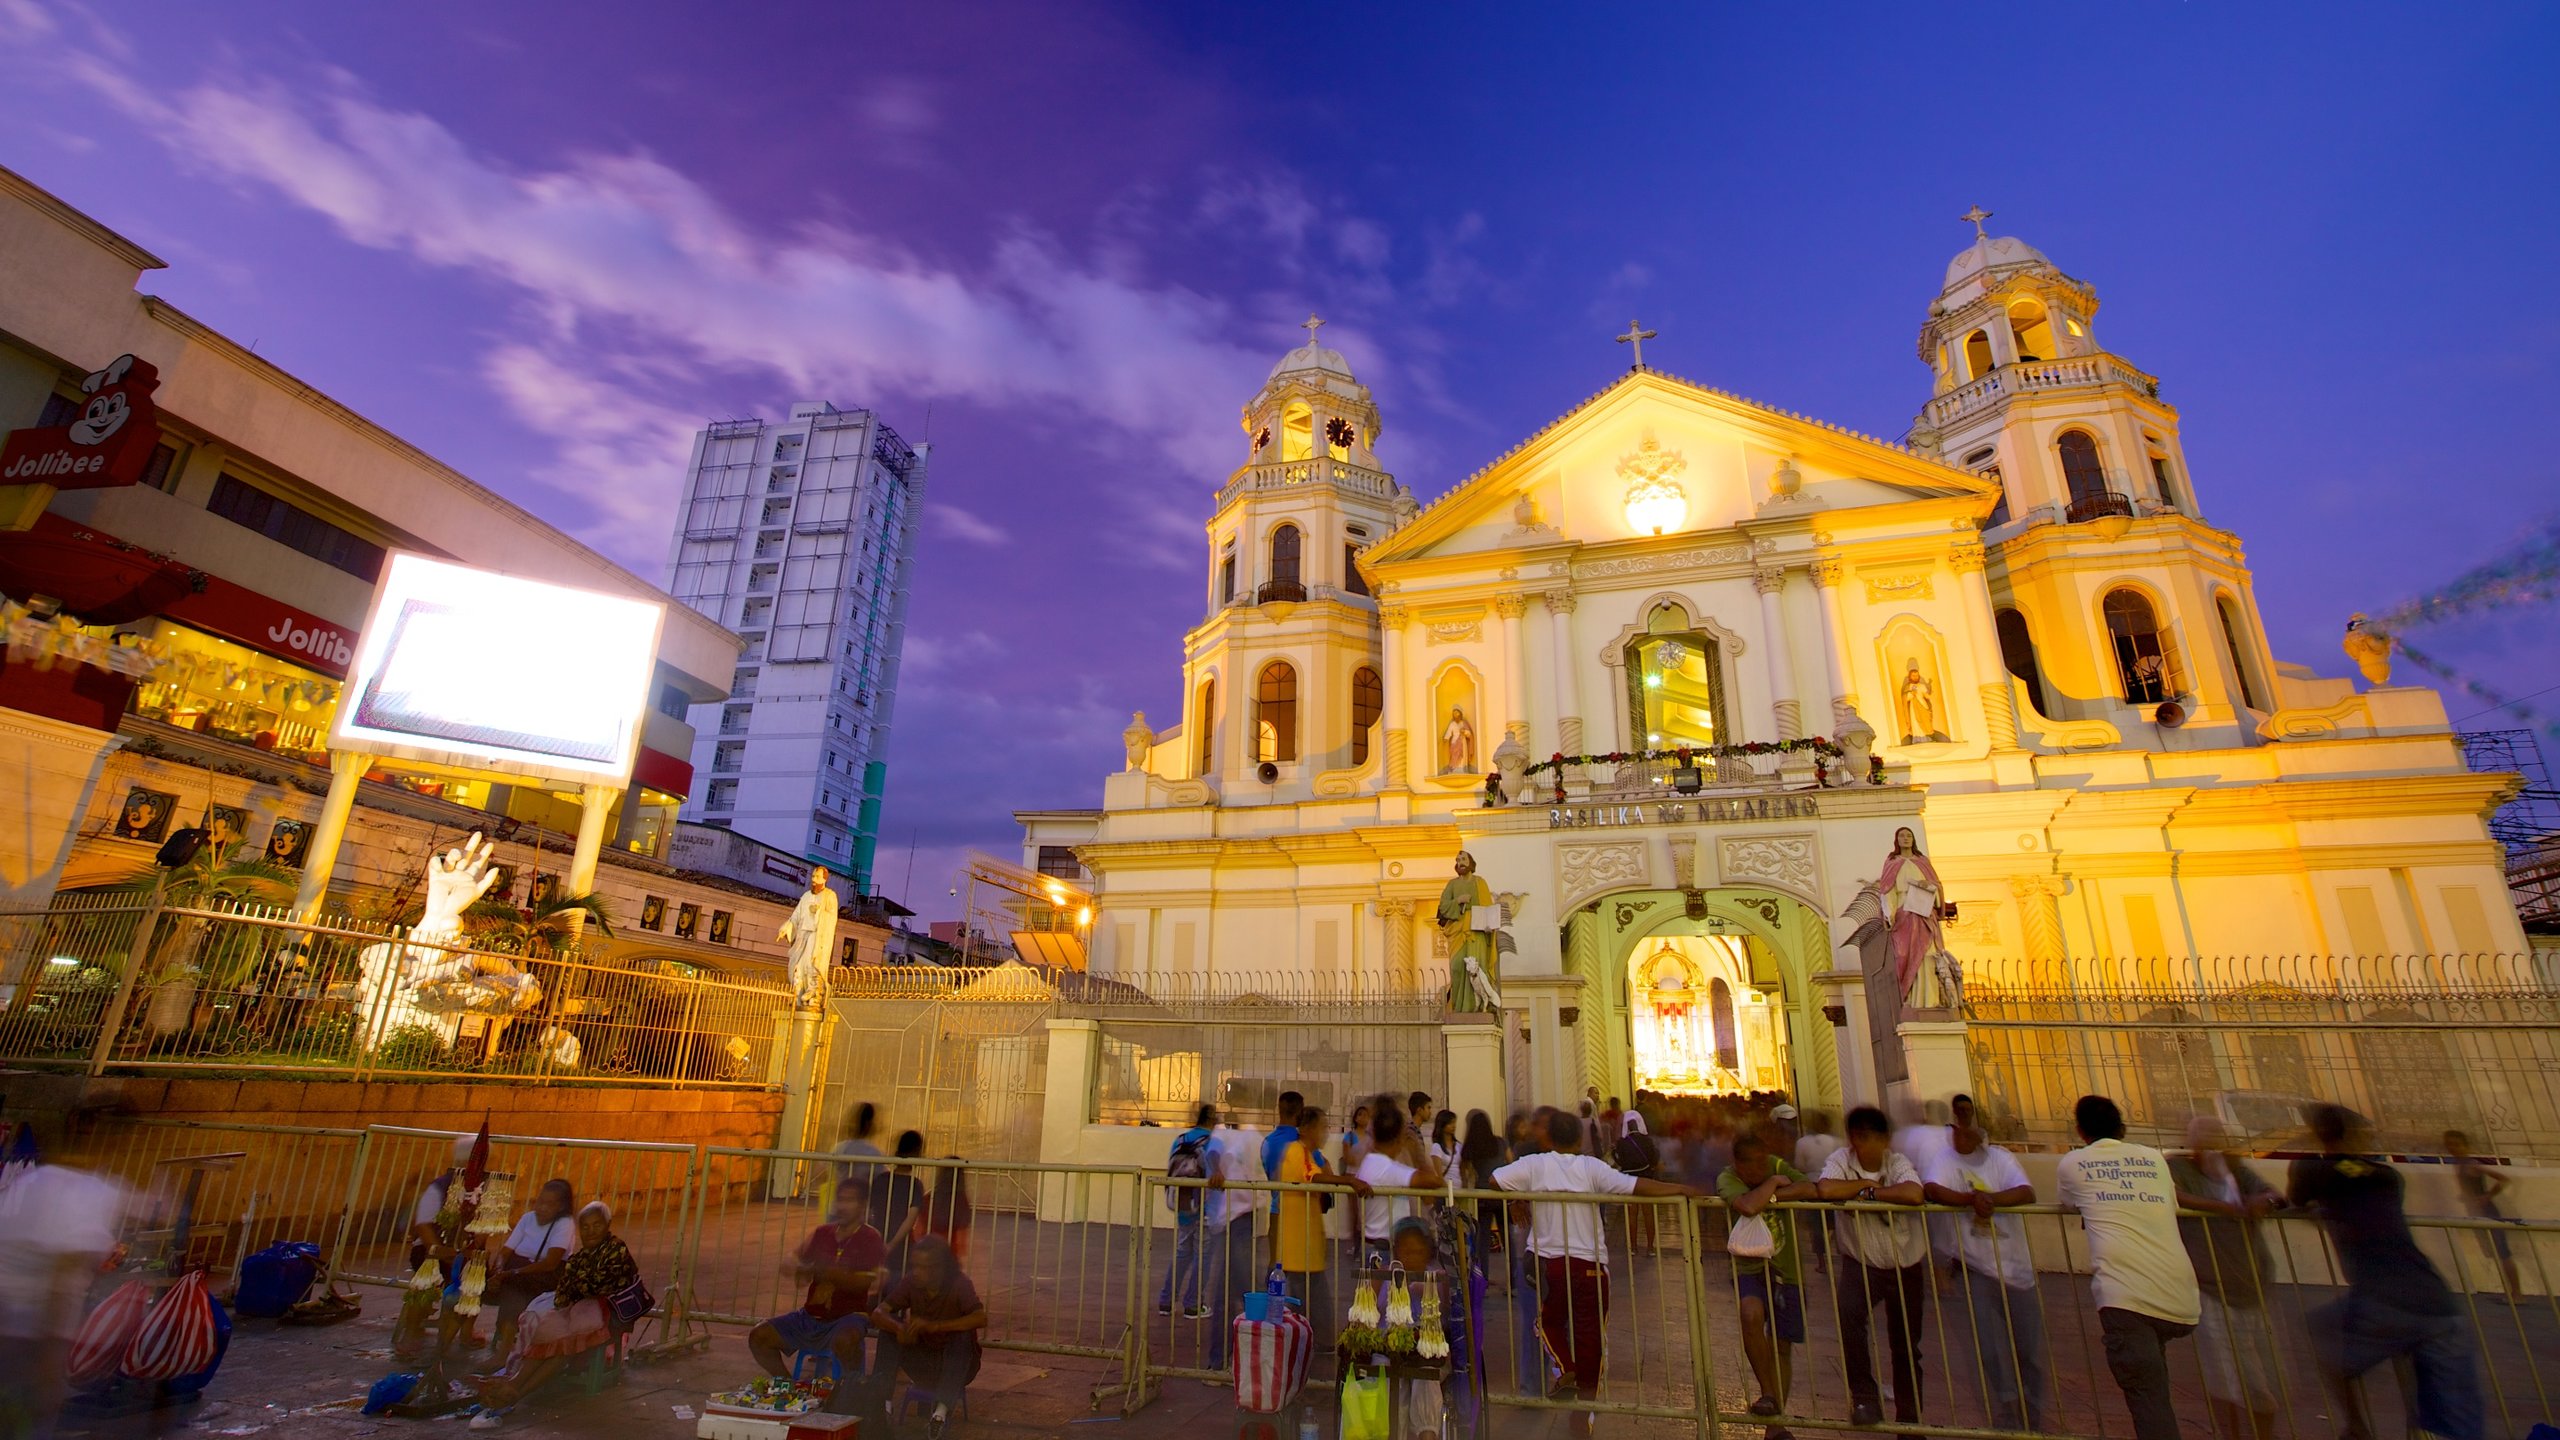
<point x="845" y="1263"/>
<point x="928" y="1324"/>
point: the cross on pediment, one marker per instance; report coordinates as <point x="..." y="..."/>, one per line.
<point x="1636" y="336"/>
<point x="1977" y="215"/>
<point x="1311" y="325"/>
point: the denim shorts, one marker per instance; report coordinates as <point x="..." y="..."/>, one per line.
<point x="803" y="1333"/>
<point x="1786" y="1307"/>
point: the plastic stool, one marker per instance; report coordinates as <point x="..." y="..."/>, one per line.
<point x="834" y="1371"/>
<point x="916" y="1398"/>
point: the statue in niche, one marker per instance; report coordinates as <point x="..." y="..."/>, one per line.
<point x="1471" y="923"/>
<point x="1138" y="739"/>
<point x="1919" y="707"/>
<point x="1457" y="744"/>
<point x="811" y="934"/>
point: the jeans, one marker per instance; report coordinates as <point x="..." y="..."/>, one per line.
<point x="2008" y="1350"/>
<point x="1185" y="1269"/>
<point x="1528" y="1354"/>
<point x="944" y="1369"/>
<point x="1314" y="1290"/>
<point x="1227" y="1256"/>
<point x="1858" y="1289"/>
<point x="2137" y="1355"/>
<point x="2354" y="1334"/>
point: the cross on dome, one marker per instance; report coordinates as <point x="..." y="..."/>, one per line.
<point x="1977" y="215"/>
<point x="1311" y="325"/>
<point x="1636" y="336"/>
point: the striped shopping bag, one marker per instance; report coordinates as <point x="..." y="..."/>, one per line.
<point x="108" y="1332"/>
<point x="177" y="1337"/>
<point x="1271" y="1358"/>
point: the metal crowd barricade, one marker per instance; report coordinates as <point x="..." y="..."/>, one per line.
<point x="206" y="1196"/>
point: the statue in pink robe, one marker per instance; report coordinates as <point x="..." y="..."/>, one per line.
<point x="1910" y="886"/>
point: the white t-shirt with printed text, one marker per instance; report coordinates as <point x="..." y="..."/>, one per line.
<point x="1998" y="1246"/>
<point x="2129" y="1207"/>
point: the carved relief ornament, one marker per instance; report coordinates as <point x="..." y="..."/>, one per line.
<point x="1589" y="868"/>
<point x="1909" y="585"/>
<point x="1782" y="860"/>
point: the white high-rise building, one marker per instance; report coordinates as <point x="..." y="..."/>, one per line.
<point x="800" y="536"/>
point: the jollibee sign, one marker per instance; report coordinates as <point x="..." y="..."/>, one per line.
<point x="108" y="444"/>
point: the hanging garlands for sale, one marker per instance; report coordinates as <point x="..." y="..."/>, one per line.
<point x="1821" y="745"/>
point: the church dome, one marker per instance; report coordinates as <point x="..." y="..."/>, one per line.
<point x="1998" y="252"/>
<point x="1312" y="357"/>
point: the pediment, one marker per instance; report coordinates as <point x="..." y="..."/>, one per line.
<point x="1722" y="452"/>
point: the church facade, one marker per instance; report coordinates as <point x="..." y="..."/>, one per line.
<point x="1675" y="670"/>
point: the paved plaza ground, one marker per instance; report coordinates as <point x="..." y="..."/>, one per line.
<point x="1067" y="1285"/>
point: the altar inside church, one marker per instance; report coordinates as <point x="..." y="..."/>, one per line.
<point x="1697" y="1026"/>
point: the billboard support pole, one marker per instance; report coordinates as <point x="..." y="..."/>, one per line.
<point x="594" y="803"/>
<point x="346" y="768"/>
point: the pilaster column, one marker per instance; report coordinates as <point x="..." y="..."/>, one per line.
<point x="595" y="803"/>
<point x="1568" y="676"/>
<point x="1999" y="715"/>
<point x="1515" y="665"/>
<point x="1398" y="915"/>
<point x="1773" y="644"/>
<point x="2040" y="911"/>
<point x="1835" y="641"/>
<point x="1391" y="720"/>
<point x="346" y="769"/>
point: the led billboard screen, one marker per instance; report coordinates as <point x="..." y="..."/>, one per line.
<point x="479" y="670"/>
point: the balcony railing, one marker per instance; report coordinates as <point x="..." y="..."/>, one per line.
<point x="2100" y="506"/>
<point x="2085" y="372"/>
<point x="1278" y="590"/>
<point x="1289" y="474"/>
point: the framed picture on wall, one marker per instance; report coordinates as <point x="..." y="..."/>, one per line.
<point x="653" y="912"/>
<point x="719" y="927"/>
<point x="688" y="919"/>
<point x="502" y="889"/>
<point x="225" y="826"/>
<point x="145" y="815"/>
<point x="289" y="843"/>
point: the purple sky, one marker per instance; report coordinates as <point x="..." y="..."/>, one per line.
<point x="547" y="242"/>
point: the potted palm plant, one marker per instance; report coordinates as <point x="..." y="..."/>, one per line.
<point x="173" y="960"/>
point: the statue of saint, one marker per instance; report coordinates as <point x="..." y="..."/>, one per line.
<point x="1919" y="707"/>
<point x="811" y="934"/>
<point x="1910" y="885"/>
<point x="1472" y="963"/>
<point x="1458" y="744"/>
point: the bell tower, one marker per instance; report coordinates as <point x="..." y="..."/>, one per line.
<point x="2113" y="599"/>
<point x="1282" y="680"/>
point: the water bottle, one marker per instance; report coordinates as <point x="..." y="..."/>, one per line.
<point x="1307" y="1428"/>
<point x="1279" y="1282"/>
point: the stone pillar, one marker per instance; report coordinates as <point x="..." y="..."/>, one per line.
<point x="1475" y="1066"/>
<point x="1782" y="665"/>
<point x="1568" y="677"/>
<point x="1391" y="708"/>
<point x="1066" y="1107"/>
<point x="1835" y="641"/>
<point x="1999" y="716"/>
<point x="1846" y="990"/>
<point x="1935" y="1052"/>
<point x="346" y="769"/>
<point x="1515" y="666"/>
<point x="1398" y="915"/>
<point x="48" y="792"/>
<point x="796" y="1052"/>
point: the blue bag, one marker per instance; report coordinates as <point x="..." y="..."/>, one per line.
<point x="390" y="1390"/>
<point x="274" y="1278"/>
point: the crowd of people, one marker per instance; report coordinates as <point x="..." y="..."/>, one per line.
<point x="2174" y="1247"/>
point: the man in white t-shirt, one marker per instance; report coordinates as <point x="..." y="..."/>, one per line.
<point x="2139" y="1271"/>
<point x="1990" y="1250"/>
<point x="1396" y="1158"/>
<point x="1226" y="1231"/>
<point x="1571" y="1246"/>
<point x="1884" y="1260"/>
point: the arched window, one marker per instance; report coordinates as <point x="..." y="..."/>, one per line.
<point x="2018" y="654"/>
<point x="2240" y="670"/>
<point x="1297" y="432"/>
<point x="2081" y="471"/>
<point x="1352" y="579"/>
<point x="1675" y="686"/>
<point x="1368" y="700"/>
<point x="1207" y="719"/>
<point x="1284" y="584"/>
<point x="2034" y="336"/>
<point x="1275" y="714"/>
<point x="1977" y="355"/>
<point x="1720" y="1012"/>
<point x="2143" y="660"/>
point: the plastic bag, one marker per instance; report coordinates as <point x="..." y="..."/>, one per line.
<point x="1751" y="1238"/>
<point x="177" y="1337"/>
<point x="274" y="1278"/>
<point x="1364" y="1406"/>
<point x="107" y="1334"/>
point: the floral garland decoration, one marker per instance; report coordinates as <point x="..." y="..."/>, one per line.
<point x="1688" y="755"/>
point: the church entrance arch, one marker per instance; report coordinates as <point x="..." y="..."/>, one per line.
<point x="1702" y="992"/>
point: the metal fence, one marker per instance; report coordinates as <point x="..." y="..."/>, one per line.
<point x="2420" y="1044"/>
<point x="1966" y="1327"/>
<point x="1238" y="1039"/>
<point x="117" y="982"/>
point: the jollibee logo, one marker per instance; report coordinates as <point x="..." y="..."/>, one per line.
<point x="109" y="407"/>
<point x="109" y="443"/>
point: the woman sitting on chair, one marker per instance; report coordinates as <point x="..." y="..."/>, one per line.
<point x="575" y="1317"/>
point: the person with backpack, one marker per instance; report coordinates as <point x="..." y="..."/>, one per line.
<point x="1635" y="1153"/>
<point x="1194" y="1158"/>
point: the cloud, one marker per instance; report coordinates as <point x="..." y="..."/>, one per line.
<point x="637" y="264"/>
<point x="961" y="525"/>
